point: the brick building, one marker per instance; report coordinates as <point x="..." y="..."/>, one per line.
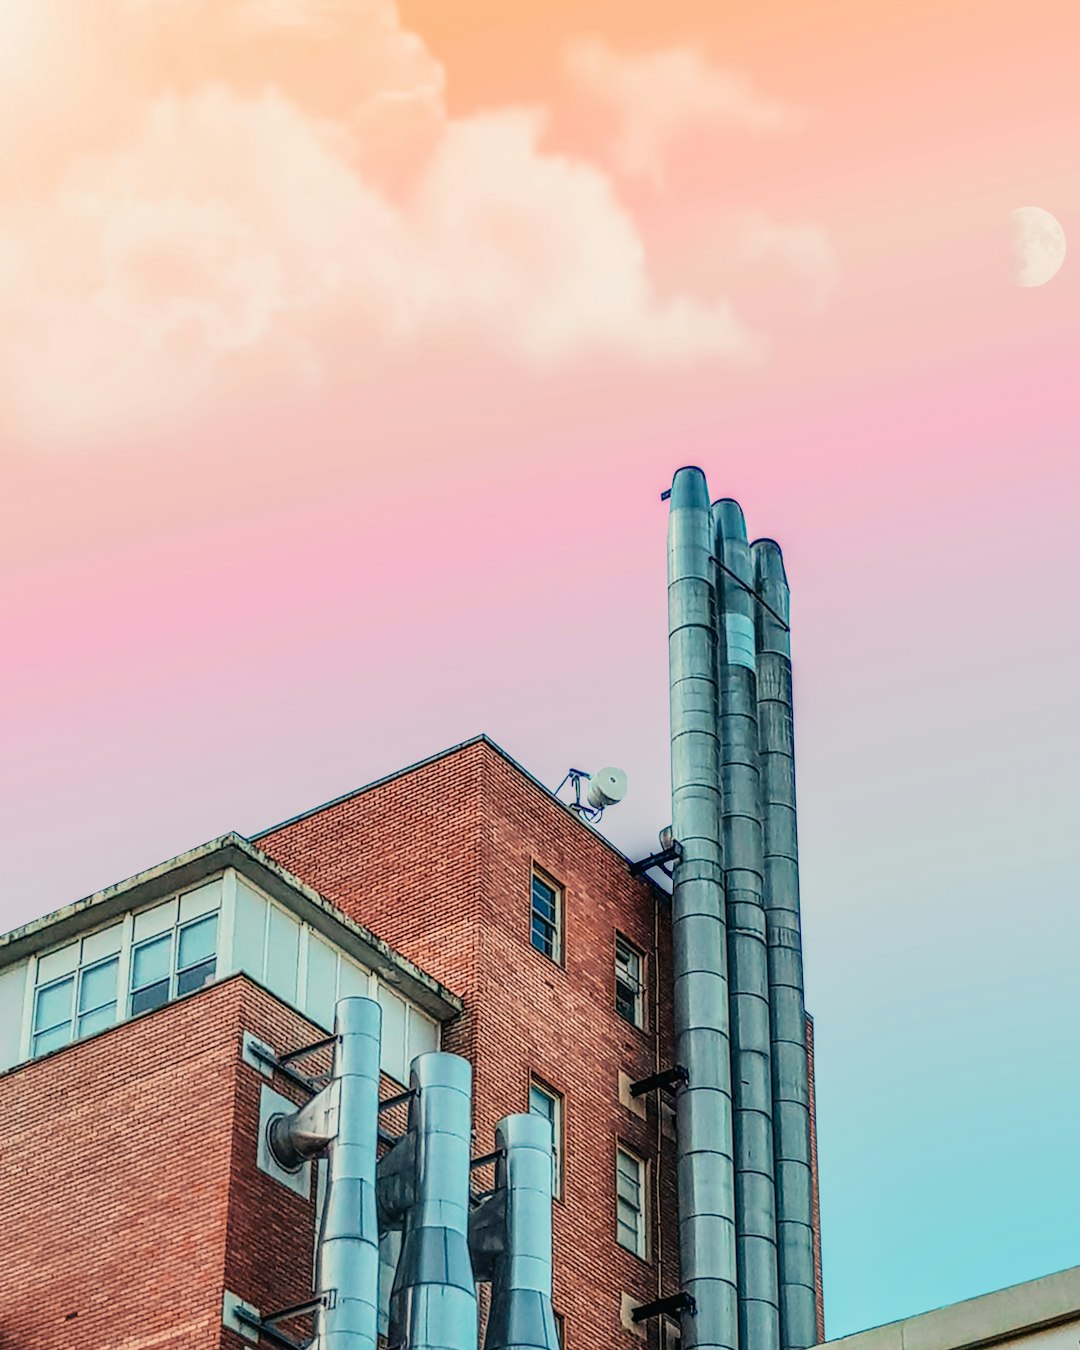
<point x="137" y="1029"/>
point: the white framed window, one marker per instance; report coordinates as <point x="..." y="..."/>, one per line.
<point x="173" y="962"/>
<point x="631" y="1215"/>
<point x="547" y="912"/>
<point x="76" y="991"/>
<point x="545" y="1101"/>
<point x="629" y="982"/>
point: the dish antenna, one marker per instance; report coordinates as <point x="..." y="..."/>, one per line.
<point x="606" y="787"/>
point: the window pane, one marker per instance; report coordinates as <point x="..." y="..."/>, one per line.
<point x="195" y="976"/>
<point x="152" y="996"/>
<point x="150" y="963"/>
<point x="544" y="898"/>
<point x="97" y="1020"/>
<point x="629" y="1211"/>
<point x="52" y="1040"/>
<point x="197" y="942"/>
<point x="546" y="901"/>
<point x="54" y="1005"/>
<point x="541" y="1103"/>
<point x="97" y="986"/>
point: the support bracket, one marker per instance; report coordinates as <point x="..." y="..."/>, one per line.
<point x="656" y="1082"/>
<point x="266" y="1326"/>
<point x="666" y="855"/>
<point x="659" y="1307"/>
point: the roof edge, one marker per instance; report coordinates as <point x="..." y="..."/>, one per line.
<point x="233" y="850"/>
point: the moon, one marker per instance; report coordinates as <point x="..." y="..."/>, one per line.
<point x="1038" y="245"/>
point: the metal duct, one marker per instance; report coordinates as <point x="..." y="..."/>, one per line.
<point x="748" y="968"/>
<point x="699" y="938"/>
<point x="433" y="1301"/>
<point x="345" y="1116"/>
<point x="513" y="1229"/>
<point x="790" y="1079"/>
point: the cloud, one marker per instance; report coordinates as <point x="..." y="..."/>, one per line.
<point x="804" y="249"/>
<point x="271" y="192"/>
<point x="659" y="97"/>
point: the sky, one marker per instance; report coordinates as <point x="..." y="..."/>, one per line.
<point x="347" y="349"/>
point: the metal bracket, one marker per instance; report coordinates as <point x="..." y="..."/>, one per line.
<point x="485" y="1159"/>
<point x="265" y="1326"/>
<point x="666" y="855"/>
<point x="399" y="1100"/>
<point x="751" y="593"/>
<point x="674" y="1303"/>
<point x="656" y="1082"/>
<point x="281" y="1064"/>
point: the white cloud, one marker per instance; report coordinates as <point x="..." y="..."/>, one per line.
<point x="804" y="249"/>
<point x="276" y="191"/>
<point x="658" y="97"/>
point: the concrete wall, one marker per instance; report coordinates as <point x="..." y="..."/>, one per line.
<point x="1041" y="1314"/>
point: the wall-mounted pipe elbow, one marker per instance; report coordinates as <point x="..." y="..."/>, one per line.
<point x="348" y="1248"/>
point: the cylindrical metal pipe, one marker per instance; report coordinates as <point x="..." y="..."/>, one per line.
<point x="699" y="938"/>
<point x="521" y="1317"/>
<point x="748" y="967"/>
<point x="790" y="1079"/>
<point x="348" y="1253"/>
<point x="433" y="1302"/>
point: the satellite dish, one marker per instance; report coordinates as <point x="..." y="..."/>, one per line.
<point x="606" y="788"/>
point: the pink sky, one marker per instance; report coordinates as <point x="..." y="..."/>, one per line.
<point x="346" y="353"/>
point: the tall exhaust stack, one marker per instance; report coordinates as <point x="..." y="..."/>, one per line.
<point x="745" y="1230"/>
<point x="791" y="1086"/>
<point x="343" y="1119"/>
<point x="706" y="1181"/>
<point x="748" y="966"/>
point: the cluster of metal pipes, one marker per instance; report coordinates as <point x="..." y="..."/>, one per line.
<point x="745" y="1198"/>
<point x="407" y="1222"/>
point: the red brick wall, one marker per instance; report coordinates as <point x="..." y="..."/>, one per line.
<point x="438" y="863"/>
<point x="115" y="1177"/>
<point x="131" y="1193"/>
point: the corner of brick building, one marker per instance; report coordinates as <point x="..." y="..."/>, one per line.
<point x="438" y="862"/>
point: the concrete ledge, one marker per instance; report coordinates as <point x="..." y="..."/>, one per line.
<point x="990" y="1319"/>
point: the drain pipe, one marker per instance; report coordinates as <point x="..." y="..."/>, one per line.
<point x="433" y="1301"/>
<point x="699" y="938"/>
<point x="345" y="1116"/>
<point x="790" y="1077"/>
<point x="511" y="1238"/>
<point x="748" y="967"/>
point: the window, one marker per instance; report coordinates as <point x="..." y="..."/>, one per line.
<point x="76" y="992"/>
<point x="560" y="1329"/>
<point x="629" y="982"/>
<point x="631" y="1227"/>
<point x="173" y="963"/>
<point x="546" y="1102"/>
<point x="546" y="917"/>
<point x="670" y="1334"/>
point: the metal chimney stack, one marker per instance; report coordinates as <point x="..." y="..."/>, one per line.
<point x="344" y="1121"/>
<point x="706" y="1180"/>
<point x="745" y="1234"/>
<point x="433" y="1301"/>
<point x="748" y="966"/>
<point x="790" y="1075"/>
<point x="511" y="1238"/>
